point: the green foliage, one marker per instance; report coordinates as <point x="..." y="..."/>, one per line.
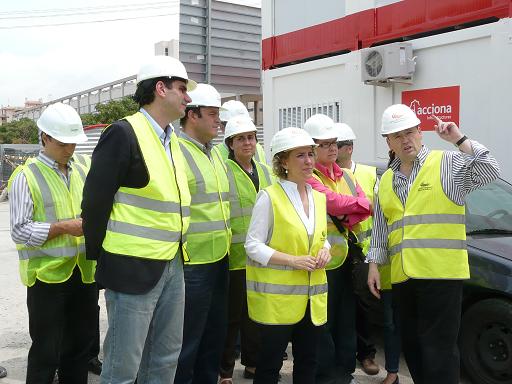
<point x="23" y="131"/>
<point x="111" y="111"/>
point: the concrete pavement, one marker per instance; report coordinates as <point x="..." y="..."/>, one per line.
<point x="15" y="340"/>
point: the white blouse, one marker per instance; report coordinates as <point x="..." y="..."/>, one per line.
<point x="260" y="228"/>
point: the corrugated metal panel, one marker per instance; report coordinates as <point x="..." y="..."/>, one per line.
<point x="220" y="44"/>
<point x="88" y="147"/>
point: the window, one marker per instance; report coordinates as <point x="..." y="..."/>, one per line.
<point x="296" y="116"/>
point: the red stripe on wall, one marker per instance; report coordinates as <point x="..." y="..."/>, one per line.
<point x="369" y="27"/>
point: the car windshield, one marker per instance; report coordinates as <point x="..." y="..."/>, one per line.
<point x="489" y="209"/>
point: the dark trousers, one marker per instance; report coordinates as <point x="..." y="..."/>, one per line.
<point x="274" y="340"/>
<point x="430" y="313"/>
<point x="391" y="327"/>
<point x="205" y="324"/>
<point x="61" y="325"/>
<point x="95" y="347"/>
<point x="337" y="345"/>
<point x="238" y="321"/>
<point x="365" y="347"/>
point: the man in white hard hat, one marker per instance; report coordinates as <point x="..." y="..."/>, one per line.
<point x="366" y="177"/>
<point x="230" y="109"/>
<point x="209" y="238"/>
<point x="419" y="222"/>
<point x="45" y="195"/>
<point x="136" y="213"/>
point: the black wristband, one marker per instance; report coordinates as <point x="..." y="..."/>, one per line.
<point x="462" y="139"/>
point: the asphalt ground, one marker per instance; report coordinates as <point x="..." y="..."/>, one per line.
<point x="15" y="339"/>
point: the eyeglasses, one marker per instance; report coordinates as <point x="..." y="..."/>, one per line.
<point x="327" y="145"/>
<point x="343" y="143"/>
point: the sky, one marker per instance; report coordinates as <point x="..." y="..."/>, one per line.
<point x="74" y="54"/>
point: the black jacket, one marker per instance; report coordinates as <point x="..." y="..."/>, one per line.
<point x="117" y="161"/>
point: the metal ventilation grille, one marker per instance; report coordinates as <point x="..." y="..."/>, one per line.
<point x="373" y="63"/>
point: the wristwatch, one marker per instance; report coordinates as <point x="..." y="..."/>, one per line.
<point x="461" y="140"/>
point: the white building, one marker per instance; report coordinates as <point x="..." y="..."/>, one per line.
<point x="312" y="62"/>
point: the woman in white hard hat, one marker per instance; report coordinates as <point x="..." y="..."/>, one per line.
<point x="230" y="109"/>
<point x="287" y="251"/>
<point x="347" y="206"/>
<point x="246" y="177"/>
<point x="419" y="228"/>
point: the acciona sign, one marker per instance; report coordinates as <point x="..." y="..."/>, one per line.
<point x="443" y="102"/>
<point x="430" y="110"/>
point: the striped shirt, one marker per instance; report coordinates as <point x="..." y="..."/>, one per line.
<point x="461" y="173"/>
<point x="23" y="229"/>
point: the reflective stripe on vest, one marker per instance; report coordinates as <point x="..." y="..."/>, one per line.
<point x="150" y="222"/>
<point x="53" y="201"/>
<point x="278" y="294"/>
<point x="427" y="238"/>
<point x="285" y="289"/>
<point x="242" y="199"/>
<point x="83" y="159"/>
<point x="209" y="234"/>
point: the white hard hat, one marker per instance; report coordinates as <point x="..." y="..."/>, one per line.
<point x="320" y="127"/>
<point x="290" y="138"/>
<point x="204" y="96"/>
<point x="398" y="117"/>
<point x="238" y="124"/>
<point x="63" y="123"/>
<point x="233" y="108"/>
<point x="345" y="133"/>
<point x="164" y="66"/>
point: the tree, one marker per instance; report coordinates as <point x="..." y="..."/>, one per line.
<point x="111" y="111"/>
<point x="23" y="131"/>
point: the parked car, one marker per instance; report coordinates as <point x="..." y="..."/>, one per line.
<point x="486" y="331"/>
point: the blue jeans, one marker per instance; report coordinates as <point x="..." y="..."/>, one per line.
<point x="144" y="333"/>
<point x="391" y="331"/>
<point x="206" y="322"/>
<point x="338" y="342"/>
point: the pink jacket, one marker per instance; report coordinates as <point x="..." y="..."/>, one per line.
<point x="356" y="209"/>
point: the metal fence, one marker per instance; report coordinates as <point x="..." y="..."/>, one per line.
<point x="13" y="155"/>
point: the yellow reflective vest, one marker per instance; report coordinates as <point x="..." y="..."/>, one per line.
<point x="83" y="159"/>
<point x="55" y="260"/>
<point x="366" y="177"/>
<point x="242" y="198"/>
<point x="339" y="246"/>
<point x="427" y="237"/>
<point x="150" y="222"/>
<point x="209" y="234"/>
<point x="259" y="155"/>
<point x="278" y="294"/>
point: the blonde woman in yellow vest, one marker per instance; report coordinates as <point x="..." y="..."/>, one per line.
<point x="346" y="204"/>
<point x="419" y="227"/>
<point x="287" y="251"/>
<point x="45" y="196"/>
<point x="366" y="177"/>
<point x="246" y="177"/>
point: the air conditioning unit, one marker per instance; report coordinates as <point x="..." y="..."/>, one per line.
<point x="386" y="64"/>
